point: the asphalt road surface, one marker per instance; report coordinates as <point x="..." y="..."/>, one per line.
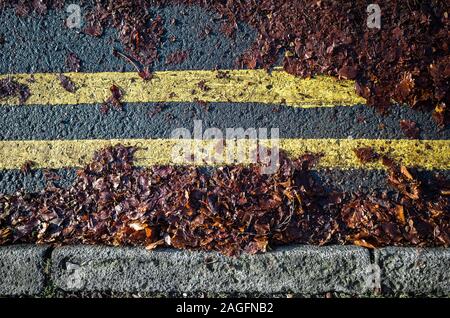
<point x="61" y="130"/>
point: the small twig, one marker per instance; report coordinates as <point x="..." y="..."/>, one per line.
<point x="116" y="52"/>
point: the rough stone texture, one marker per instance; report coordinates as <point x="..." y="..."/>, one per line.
<point x="414" y="271"/>
<point x="22" y="269"/>
<point x="306" y="270"/>
<point x="301" y="269"/>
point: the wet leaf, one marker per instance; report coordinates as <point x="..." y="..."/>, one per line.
<point x="366" y="154"/>
<point x="410" y="129"/>
<point x="67" y="83"/>
<point x="12" y="88"/>
<point x="73" y="63"/>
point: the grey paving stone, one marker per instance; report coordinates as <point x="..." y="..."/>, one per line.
<point x="300" y="269"/>
<point x="22" y="269"/>
<point x="414" y="270"/>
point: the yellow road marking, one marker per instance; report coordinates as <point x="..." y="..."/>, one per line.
<point x="238" y="86"/>
<point x="338" y="153"/>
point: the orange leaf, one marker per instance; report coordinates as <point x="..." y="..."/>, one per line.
<point x="400" y="213"/>
<point x="406" y="173"/>
<point x="154" y="245"/>
<point x="363" y="243"/>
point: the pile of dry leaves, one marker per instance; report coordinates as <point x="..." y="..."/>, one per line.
<point x="233" y="210"/>
<point x="406" y="61"/>
<point x="237" y="209"/>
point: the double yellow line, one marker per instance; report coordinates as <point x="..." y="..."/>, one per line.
<point x="229" y="86"/>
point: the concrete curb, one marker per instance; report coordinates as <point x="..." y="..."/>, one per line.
<point x="305" y="270"/>
<point x="22" y="269"/>
<point x="414" y="271"/>
<point x="302" y="269"/>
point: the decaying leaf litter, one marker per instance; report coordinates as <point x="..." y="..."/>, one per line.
<point x="237" y="209"/>
<point x="233" y="210"/>
<point x="406" y="61"/>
